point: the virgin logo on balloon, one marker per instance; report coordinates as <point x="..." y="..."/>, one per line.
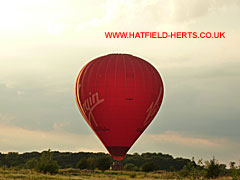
<point x="118" y="95"/>
<point x="89" y="105"/>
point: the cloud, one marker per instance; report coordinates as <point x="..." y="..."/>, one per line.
<point x="13" y="138"/>
<point x="59" y="126"/>
<point x="6" y="118"/>
<point x="154" y="13"/>
<point x="202" y="99"/>
<point x="188" y="145"/>
<point x="177" y="138"/>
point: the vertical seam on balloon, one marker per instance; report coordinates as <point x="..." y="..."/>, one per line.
<point x="96" y="84"/>
<point x="105" y="75"/>
<point x="155" y="77"/>
<point x="140" y="61"/>
<point x="152" y="69"/>
<point x="135" y="70"/>
<point x="124" y="65"/>
<point x="97" y="72"/>
<point x="87" y="66"/>
<point x="91" y="118"/>
<point x="133" y="77"/>
<point x="147" y="75"/>
<point x="142" y="71"/>
<point x="150" y="72"/>
<point x="153" y="72"/>
<point x="115" y="78"/>
<point x="115" y="81"/>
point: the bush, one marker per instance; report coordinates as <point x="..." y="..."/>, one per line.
<point x="49" y="167"/>
<point x="133" y="175"/>
<point x="103" y="163"/>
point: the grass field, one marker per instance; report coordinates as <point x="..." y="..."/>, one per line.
<point x="76" y="174"/>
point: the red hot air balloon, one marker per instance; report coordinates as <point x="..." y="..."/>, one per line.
<point x="118" y="95"/>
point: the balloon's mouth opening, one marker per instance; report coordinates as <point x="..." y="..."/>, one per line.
<point x="118" y="152"/>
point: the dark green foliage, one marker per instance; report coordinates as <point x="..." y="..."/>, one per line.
<point x="234" y="171"/>
<point x="91" y="163"/>
<point x="148" y="167"/>
<point x="13" y="159"/>
<point x="132" y="162"/>
<point x="161" y="161"/>
<point x="212" y="168"/>
<point x="71" y="160"/>
<point x="86" y="163"/>
<point x="135" y="159"/>
<point x="235" y="174"/>
<point x="82" y="164"/>
<point x="223" y="170"/>
<point x="103" y="163"/>
<point x="192" y="170"/>
<point x="68" y="159"/>
<point x="47" y="164"/>
<point x="31" y="164"/>
<point x="133" y="175"/>
<point x="130" y="167"/>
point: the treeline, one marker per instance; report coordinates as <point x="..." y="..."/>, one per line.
<point x="52" y="161"/>
<point x="88" y="160"/>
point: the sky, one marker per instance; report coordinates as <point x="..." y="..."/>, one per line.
<point x="44" y="44"/>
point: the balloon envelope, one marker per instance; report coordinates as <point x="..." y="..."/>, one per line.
<point x="118" y="95"/>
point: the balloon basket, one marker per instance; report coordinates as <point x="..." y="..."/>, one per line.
<point x="117" y="166"/>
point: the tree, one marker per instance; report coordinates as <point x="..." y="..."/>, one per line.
<point x="103" y="163"/>
<point x="91" y="163"/>
<point x="135" y="159"/>
<point x="82" y="164"/>
<point x="47" y="164"/>
<point x="31" y="164"/>
<point x="86" y="163"/>
<point x="232" y="165"/>
<point x="148" y="166"/>
<point x="234" y="171"/>
<point x="192" y="170"/>
<point x="130" y="167"/>
<point x="213" y="168"/>
<point x="12" y="159"/>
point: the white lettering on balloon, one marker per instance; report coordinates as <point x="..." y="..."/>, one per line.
<point x="152" y="109"/>
<point x="89" y="105"/>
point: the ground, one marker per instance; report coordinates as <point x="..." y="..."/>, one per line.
<point x="75" y="174"/>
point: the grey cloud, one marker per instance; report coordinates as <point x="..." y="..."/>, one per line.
<point x="157" y="13"/>
<point x="201" y="100"/>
